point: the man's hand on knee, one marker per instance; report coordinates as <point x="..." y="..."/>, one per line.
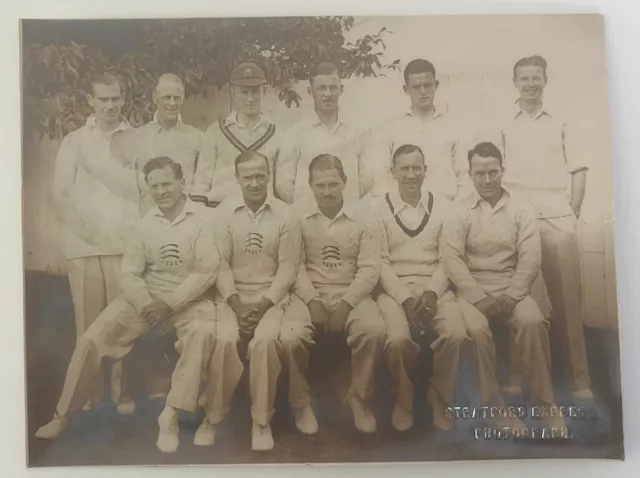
<point x="258" y="310"/>
<point x="506" y="304"/>
<point x="319" y="315"/>
<point x="489" y="307"/>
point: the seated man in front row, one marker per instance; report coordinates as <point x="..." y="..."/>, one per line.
<point x="169" y="264"/>
<point x="416" y="289"/>
<point x="259" y="244"/>
<point x="341" y="266"/>
<point x="491" y="249"/>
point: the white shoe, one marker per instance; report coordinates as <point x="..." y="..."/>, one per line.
<point x="584" y="394"/>
<point x="87" y="407"/>
<point x="513" y="390"/>
<point x="126" y="408"/>
<point x="401" y="419"/>
<point x="52" y="429"/>
<point x="305" y="420"/>
<point x="206" y="434"/>
<point x="168" y="440"/>
<point x="363" y="417"/>
<point x="261" y="438"/>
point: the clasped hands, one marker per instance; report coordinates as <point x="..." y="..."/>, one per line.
<point x="156" y="314"/>
<point x="420" y="311"/>
<point x="249" y="314"/>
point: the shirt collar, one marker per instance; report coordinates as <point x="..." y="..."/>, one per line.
<point x="233" y="119"/>
<point x="476" y="198"/>
<point x="317" y="122"/>
<point x="398" y="203"/>
<point x="238" y="202"/>
<point x="436" y="114"/>
<point x="155" y="121"/>
<point x="348" y="210"/>
<point x="92" y="123"/>
<point x="517" y="111"/>
<point x="188" y="208"/>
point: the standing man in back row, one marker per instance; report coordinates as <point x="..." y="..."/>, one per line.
<point x="324" y="133"/>
<point x="95" y="234"/>
<point x="166" y="135"/>
<point x="542" y="164"/>
<point x="245" y="129"/>
<point x="424" y="126"/>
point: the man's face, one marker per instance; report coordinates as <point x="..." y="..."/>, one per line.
<point x="253" y="178"/>
<point x="248" y="99"/>
<point x="168" y="97"/>
<point x="486" y="174"/>
<point x="107" y="102"/>
<point x="409" y="172"/>
<point x="530" y="81"/>
<point x="165" y="189"/>
<point x="325" y="91"/>
<point x="421" y="88"/>
<point x="328" y="188"/>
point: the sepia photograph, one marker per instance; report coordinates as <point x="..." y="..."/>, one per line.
<point x="339" y="239"/>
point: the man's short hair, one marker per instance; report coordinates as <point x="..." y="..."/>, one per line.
<point x="326" y="162"/>
<point x="534" y="60"/>
<point x="419" y="65"/>
<point x="170" y="77"/>
<point x="406" y="149"/>
<point x="248" y="156"/>
<point x="106" y="78"/>
<point x="323" y="68"/>
<point x="485" y="150"/>
<point x="162" y="162"/>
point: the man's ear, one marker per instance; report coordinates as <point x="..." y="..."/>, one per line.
<point x="405" y="88"/>
<point x="437" y="84"/>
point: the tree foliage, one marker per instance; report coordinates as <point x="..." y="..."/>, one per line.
<point x="202" y="52"/>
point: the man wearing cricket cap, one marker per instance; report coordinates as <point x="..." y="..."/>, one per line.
<point x="245" y="129"/>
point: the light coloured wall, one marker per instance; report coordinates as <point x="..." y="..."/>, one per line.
<point x="474" y="58"/>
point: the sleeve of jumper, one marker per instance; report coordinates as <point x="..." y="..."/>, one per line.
<point x="368" y="265"/>
<point x="289" y="248"/>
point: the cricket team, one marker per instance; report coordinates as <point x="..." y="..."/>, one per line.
<point x="246" y="234"/>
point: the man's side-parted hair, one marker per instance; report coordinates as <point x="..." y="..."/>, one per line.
<point x="406" y="149"/>
<point x="326" y="162"/>
<point x="485" y="150"/>
<point x="323" y="68"/>
<point x="162" y="162"/>
<point x="535" y="60"/>
<point x="248" y="156"/>
<point x="419" y="65"/>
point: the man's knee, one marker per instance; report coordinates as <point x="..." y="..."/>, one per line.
<point x="527" y="315"/>
<point x="295" y="337"/>
<point x="371" y="331"/>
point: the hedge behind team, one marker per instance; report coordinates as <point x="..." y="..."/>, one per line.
<point x="533" y="137"/>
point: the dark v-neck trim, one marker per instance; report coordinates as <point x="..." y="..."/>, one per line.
<point x="423" y="223"/>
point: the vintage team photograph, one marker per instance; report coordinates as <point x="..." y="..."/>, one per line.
<point x="318" y="240"/>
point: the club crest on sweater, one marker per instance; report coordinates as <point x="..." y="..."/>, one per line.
<point x="170" y="255"/>
<point x="254" y="243"/>
<point x="331" y="257"/>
